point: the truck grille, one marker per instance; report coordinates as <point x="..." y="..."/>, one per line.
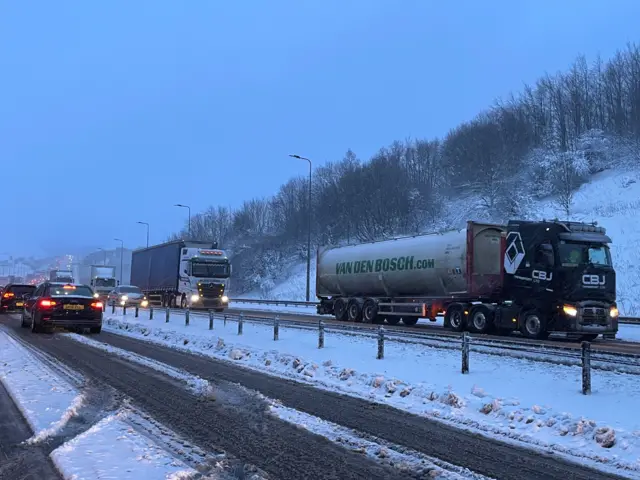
<point x="211" y="290"/>
<point x="594" y="316"/>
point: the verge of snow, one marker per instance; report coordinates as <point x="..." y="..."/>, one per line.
<point x="502" y="397"/>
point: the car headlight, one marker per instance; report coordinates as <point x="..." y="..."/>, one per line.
<point x="225" y="299"/>
<point x="124" y="298"/>
<point x="195" y="298"/>
<point x="613" y="312"/>
<point x="570" y="310"/>
<point x="123" y="303"/>
<point x="144" y="304"/>
<point x="96" y="295"/>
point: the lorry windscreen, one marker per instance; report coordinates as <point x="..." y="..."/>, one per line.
<point x="580" y="254"/>
<point x="105" y="282"/>
<point x="209" y="270"/>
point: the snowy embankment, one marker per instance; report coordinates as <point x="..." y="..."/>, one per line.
<point x="539" y="405"/>
<point x="612" y="199"/>
<point x="111" y="448"/>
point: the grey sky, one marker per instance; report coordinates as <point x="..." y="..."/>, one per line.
<point x="115" y="111"/>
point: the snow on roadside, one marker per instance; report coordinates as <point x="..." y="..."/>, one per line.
<point x="109" y="449"/>
<point x="113" y="449"/>
<point x="404" y="459"/>
<point x="511" y="399"/>
<point x="629" y="333"/>
<point x="46" y="400"/>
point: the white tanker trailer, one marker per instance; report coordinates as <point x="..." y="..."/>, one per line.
<point x="535" y="277"/>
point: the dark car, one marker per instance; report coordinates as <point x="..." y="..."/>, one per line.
<point x="12" y="296"/>
<point x="65" y="305"/>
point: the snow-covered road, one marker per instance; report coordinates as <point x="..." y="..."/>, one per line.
<point x="524" y="401"/>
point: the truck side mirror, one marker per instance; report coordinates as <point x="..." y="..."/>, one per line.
<point x="117" y="282"/>
<point x="92" y="282"/>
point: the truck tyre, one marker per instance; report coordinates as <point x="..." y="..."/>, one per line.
<point x="454" y="318"/>
<point x="590" y="337"/>
<point x="480" y="319"/>
<point x="393" y="319"/>
<point x="354" y="311"/>
<point x="370" y="311"/>
<point x="534" y="325"/>
<point x="410" y="321"/>
<point x="183" y="302"/>
<point x="340" y="309"/>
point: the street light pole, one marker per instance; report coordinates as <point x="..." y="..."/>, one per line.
<point x="188" y="208"/>
<point x="145" y="223"/>
<point x="121" y="255"/>
<point x="309" y="227"/>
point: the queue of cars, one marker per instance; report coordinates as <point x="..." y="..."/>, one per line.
<point x="53" y="305"/>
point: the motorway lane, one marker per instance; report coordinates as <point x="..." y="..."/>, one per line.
<point x="232" y="419"/>
<point x="600" y="345"/>
<point x="255" y="438"/>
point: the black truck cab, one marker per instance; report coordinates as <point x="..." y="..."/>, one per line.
<point x="558" y="277"/>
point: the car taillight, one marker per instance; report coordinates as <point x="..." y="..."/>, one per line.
<point x="9" y="295"/>
<point x="97" y="305"/>
<point x="46" y="303"/>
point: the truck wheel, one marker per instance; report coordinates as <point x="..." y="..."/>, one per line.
<point x="481" y="319"/>
<point x="455" y="318"/>
<point x="183" y="302"/>
<point x="410" y="321"/>
<point x="354" y="312"/>
<point x="393" y="319"/>
<point x="370" y="311"/>
<point x="534" y="325"/>
<point x="590" y="337"/>
<point x="340" y="309"/>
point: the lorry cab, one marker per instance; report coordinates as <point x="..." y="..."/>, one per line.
<point x="560" y="277"/>
<point x="204" y="277"/>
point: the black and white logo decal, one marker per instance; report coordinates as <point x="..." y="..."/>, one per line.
<point x="514" y="254"/>
<point x="593" y="280"/>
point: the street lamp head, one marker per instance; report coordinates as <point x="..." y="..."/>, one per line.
<point x="179" y="205"/>
<point x="295" y="156"/>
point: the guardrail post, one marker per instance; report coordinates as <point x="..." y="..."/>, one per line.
<point x="186" y="317"/>
<point x="276" y="328"/>
<point x="240" y="324"/>
<point x="586" y="368"/>
<point x="167" y="313"/>
<point x="137" y="311"/>
<point x="320" y="334"/>
<point x="150" y="313"/>
<point x="225" y="321"/>
<point x="124" y="309"/>
<point x="104" y="307"/>
<point x="210" y="319"/>
<point x="380" y="355"/>
<point x="113" y="308"/>
<point x="465" y="352"/>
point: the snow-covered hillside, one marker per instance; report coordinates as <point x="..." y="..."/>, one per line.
<point x="611" y="198"/>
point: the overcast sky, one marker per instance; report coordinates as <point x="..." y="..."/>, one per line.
<point x="113" y="111"/>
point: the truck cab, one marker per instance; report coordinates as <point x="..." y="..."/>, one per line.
<point x="559" y="277"/>
<point x="204" y="278"/>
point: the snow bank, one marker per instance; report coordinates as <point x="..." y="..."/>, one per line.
<point x="513" y="399"/>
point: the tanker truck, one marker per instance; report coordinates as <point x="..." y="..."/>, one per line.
<point x="535" y="277"/>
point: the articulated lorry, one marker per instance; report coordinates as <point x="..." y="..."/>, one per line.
<point x="185" y="274"/>
<point x="536" y="277"/>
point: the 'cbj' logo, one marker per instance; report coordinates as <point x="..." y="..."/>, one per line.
<point x="594" y="280"/>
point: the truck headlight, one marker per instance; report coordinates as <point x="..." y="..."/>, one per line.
<point x="225" y="299"/>
<point x="124" y="298"/>
<point x="570" y="310"/>
<point x="195" y="298"/>
<point x="144" y="303"/>
<point x="613" y="312"/>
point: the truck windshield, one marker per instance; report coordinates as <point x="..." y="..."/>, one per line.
<point x="209" y="270"/>
<point x="578" y="254"/>
<point x="105" y="282"/>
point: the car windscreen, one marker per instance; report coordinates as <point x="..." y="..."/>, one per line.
<point x="130" y="290"/>
<point x="21" y="289"/>
<point x="78" y="290"/>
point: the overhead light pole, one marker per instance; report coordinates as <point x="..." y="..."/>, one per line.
<point x="147" y="225"/>
<point x="309" y="226"/>
<point x="188" y="208"/>
<point x="121" y="255"/>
